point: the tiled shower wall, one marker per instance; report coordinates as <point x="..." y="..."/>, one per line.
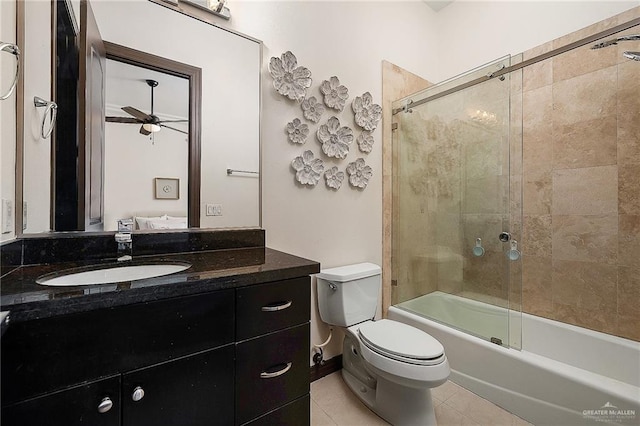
<point x="581" y="185"/>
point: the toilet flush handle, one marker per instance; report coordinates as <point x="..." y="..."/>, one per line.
<point x="333" y="286"/>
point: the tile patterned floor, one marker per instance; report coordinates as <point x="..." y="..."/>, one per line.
<point x="333" y="404"/>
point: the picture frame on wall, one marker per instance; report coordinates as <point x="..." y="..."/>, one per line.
<point x="167" y="188"/>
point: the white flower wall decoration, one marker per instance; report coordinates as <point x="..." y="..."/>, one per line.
<point x="312" y="109"/>
<point x="367" y="114"/>
<point x="335" y="94"/>
<point x="365" y="142"/>
<point x="359" y="173"/>
<point x="334" y="138"/>
<point x="289" y="79"/>
<point x="308" y="169"/>
<point x="334" y="178"/>
<point x="297" y="131"/>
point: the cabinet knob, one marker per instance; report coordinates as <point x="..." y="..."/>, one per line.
<point x="138" y="394"/>
<point x="105" y="405"/>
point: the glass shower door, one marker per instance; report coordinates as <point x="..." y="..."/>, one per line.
<point x="454" y="250"/>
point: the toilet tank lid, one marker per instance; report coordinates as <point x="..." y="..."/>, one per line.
<point x="350" y="272"/>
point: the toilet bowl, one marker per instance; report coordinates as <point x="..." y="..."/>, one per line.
<point x="389" y="365"/>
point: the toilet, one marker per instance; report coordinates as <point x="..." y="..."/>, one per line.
<point x="389" y="365"/>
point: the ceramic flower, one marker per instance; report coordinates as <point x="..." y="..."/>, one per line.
<point x="308" y="169"/>
<point x="335" y="95"/>
<point x="365" y="142"/>
<point x="335" y="139"/>
<point x="359" y="173"/>
<point x="298" y="131"/>
<point x="289" y="79"/>
<point x="367" y="113"/>
<point x="312" y="109"/>
<point x="334" y="178"/>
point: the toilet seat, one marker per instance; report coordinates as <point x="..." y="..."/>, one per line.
<point x="401" y="342"/>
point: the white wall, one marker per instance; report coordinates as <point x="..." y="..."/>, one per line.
<point x="473" y="32"/>
<point x="37" y="150"/>
<point x="348" y="40"/>
<point x="131" y="164"/>
<point x="7" y="109"/>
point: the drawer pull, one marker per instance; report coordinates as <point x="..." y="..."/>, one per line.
<point x="105" y="405"/>
<point x="272" y="374"/>
<point x="278" y="306"/>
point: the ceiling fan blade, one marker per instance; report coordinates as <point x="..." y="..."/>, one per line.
<point x="136" y="113"/>
<point x="121" y="120"/>
<point x="173" y="128"/>
<point x="144" y="131"/>
<point x="173" y="121"/>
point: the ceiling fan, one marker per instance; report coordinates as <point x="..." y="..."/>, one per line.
<point x="150" y="123"/>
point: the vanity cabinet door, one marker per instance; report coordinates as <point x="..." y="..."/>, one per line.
<point x="93" y="404"/>
<point x="271" y="371"/>
<point x="193" y="391"/>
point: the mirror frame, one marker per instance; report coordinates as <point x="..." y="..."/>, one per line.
<point x="194" y="75"/>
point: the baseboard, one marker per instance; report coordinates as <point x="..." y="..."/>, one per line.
<point x="327" y="367"/>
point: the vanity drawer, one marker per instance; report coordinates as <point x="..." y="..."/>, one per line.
<point x="273" y="306"/>
<point x="296" y="413"/>
<point x="271" y="371"/>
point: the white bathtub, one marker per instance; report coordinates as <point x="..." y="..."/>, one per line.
<point x="564" y="375"/>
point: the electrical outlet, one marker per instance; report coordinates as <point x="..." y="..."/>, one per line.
<point x="7" y="216"/>
<point x="214" y="210"/>
<point x="24" y="215"/>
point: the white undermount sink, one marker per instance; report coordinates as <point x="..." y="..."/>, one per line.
<point x="113" y="274"/>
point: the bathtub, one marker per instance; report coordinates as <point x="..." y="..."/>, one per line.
<point x="564" y="375"/>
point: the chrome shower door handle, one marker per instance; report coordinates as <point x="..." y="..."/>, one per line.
<point x="15" y="51"/>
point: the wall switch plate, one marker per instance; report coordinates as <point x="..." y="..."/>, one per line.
<point x="214" y="210"/>
<point x="7" y="216"/>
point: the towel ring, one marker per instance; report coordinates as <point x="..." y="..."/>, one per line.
<point x="15" y="51"/>
<point x="52" y="108"/>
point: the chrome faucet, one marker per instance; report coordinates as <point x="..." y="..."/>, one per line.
<point x="124" y="240"/>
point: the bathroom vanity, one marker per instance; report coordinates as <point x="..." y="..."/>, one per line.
<point x="223" y="342"/>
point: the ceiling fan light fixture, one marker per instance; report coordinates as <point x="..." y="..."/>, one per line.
<point x="150" y="127"/>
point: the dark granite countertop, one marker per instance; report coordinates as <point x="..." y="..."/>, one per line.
<point x="209" y="271"/>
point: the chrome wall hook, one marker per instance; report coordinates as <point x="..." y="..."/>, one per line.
<point x="15" y="51"/>
<point x="51" y="109"/>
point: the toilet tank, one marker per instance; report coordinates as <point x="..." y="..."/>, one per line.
<point x="348" y="295"/>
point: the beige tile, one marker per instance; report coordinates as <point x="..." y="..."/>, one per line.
<point x="628" y="240"/>
<point x="582" y="60"/>
<point x="628" y="112"/>
<point x="333" y="396"/>
<point x="536" y="237"/>
<point x="536" y="285"/>
<point x="628" y="327"/>
<point x="586" y="97"/>
<point x="585" y="285"/>
<point x="603" y="321"/>
<point x="629" y="189"/>
<point x="537" y="192"/>
<point x="480" y="410"/>
<point x="585" y="32"/>
<point x="445" y="391"/>
<point x="448" y="416"/>
<point x="537" y="75"/>
<point x="319" y="417"/>
<point x="585" y="238"/>
<point x="585" y="191"/>
<point x="629" y="291"/>
<point x="537" y="127"/>
<point x="586" y="144"/>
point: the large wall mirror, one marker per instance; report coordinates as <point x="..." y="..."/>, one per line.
<point x="170" y="104"/>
